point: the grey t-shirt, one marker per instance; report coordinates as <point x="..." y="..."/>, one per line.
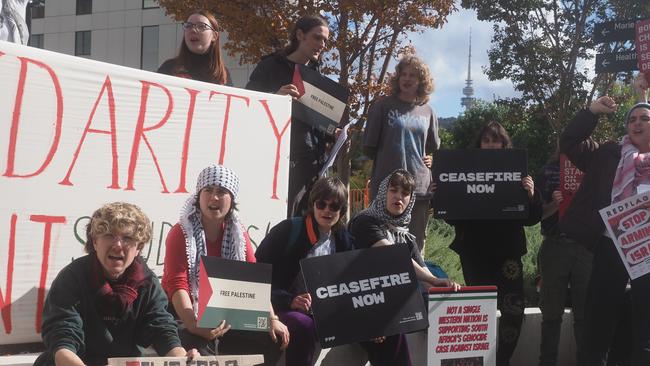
<point x="401" y="133"/>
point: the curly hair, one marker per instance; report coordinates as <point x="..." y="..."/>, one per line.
<point x="119" y="217"/>
<point x="425" y="87"/>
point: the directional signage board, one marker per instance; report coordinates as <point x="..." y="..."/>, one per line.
<point x="622" y="30"/>
<point x="616" y="62"/>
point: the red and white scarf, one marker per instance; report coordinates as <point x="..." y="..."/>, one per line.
<point x="633" y="169"/>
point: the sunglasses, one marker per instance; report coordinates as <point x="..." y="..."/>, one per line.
<point x="333" y="206"/>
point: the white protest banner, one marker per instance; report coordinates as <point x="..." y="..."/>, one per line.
<point x="77" y="133"/>
<point x="628" y="224"/>
<point x="462" y="326"/>
<point x="242" y="360"/>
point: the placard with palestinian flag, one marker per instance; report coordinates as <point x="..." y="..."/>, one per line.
<point x="234" y="291"/>
<point x="322" y="101"/>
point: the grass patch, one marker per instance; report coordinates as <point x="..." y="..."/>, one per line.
<point x="440" y="235"/>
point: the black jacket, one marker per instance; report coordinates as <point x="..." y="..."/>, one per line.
<point x="283" y="247"/>
<point x="271" y="73"/>
<point x="581" y="221"/>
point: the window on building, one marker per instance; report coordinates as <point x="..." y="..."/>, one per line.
<point x="82" y="43"/>
<point x="84" y="7"/>
<point x="149" y="54"/>
<point x="37" y="9"/>
<point x="146" y="4"/>
<point x="35" y="40"/>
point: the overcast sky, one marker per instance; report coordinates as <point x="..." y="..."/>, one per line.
<point x="445" y="51"/>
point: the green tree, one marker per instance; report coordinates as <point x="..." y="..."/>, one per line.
<point x="543" y="47"/>
<point x="365" y="36"/>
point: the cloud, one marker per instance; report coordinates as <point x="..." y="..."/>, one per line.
<point x="445" y="51"/>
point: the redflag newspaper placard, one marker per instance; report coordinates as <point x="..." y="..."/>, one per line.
<point x="480" y="184"/>
<point x="363" y="294"/>
<point x="628" y="223"/>
<point x="243" y="360"/>
<point x="322" y="101"/>
<point x="234" y="291"/>
<point x="77" y="133"/>
<point x="462" y="327"/>
<point x="570" y="179"/>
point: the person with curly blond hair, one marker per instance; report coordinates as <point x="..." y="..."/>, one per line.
<point x="402" y="133"/>
<point x="108" y="303"/>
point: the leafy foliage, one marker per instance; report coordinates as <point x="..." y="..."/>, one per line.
<point x="542" y="46"/>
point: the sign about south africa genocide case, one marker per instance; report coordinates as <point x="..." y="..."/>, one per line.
<point x="462" y="326"/>
<point x="628" y="224"/>
<point x="480" y="184"/>
<point x="362" y="294"/>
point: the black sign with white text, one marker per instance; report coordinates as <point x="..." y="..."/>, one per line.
<point x="622" y="30"/>
<point x="322" y="101"/>
<point x="480" y="184"/>
<point x="362" y="294"/>
<point x="616" y="62"/>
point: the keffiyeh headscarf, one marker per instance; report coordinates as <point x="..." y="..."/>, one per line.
<point x="233" y="244"/>
<point x="633" y="168"/>
<point x="396" y="226"/>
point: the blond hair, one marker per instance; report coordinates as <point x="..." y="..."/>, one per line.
<point x="425" y="86"/>
<point x="118" y="217"/>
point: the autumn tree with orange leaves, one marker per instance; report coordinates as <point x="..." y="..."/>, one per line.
<point x="365" y="36"/>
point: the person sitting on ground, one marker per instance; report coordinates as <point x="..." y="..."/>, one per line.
<point x="210" y="225"/>
<point x="108" y="303"/>
<point x="385" y="222"/>
<point x="320" y="232"/>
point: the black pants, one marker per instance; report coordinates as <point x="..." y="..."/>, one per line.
<point x="235" y="342"/>
<point x="507" y="275"/>
<point x="605" y="303"/>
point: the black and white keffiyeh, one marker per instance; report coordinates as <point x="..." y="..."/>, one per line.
<point x="233" y="245"/>
<point x="395" y="226"/>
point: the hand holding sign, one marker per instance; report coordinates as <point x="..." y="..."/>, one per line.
<point x="302" y="303"/>
<point x="207" y="333"/>
<point x="288" y="89"/>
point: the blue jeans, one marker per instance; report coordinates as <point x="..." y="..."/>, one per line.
<point x="562" y="263"/>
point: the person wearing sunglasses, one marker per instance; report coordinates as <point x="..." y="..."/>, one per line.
<point x="385" y="222"/>
<point x="108" y="303"/>
<point x="320" y="232"/>
<point x="199" y="57"/>
<point x="210" y="225"/>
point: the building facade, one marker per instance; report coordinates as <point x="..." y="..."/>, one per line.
<point x="132" y="33"/>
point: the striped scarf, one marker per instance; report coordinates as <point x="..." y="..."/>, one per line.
<point x="633" y="169"/>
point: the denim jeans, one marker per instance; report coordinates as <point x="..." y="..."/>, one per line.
<point x="562" y="263"/>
